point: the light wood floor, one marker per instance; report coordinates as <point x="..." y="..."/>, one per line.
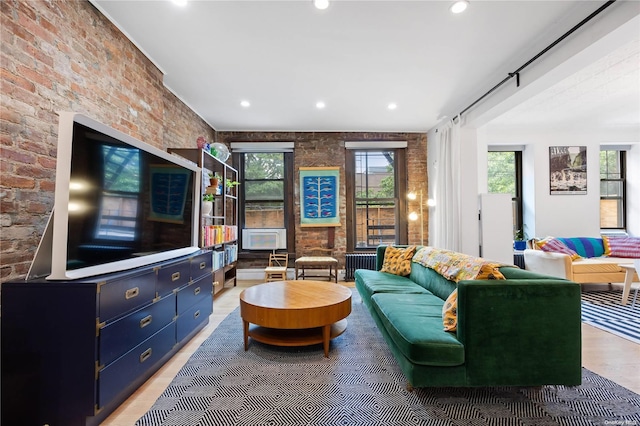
<point x="603" y="353"/>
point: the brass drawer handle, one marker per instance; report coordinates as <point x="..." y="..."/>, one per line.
<point x="175" y="276"/>
<point x="196" y="314"/>
<point x="145" y="355"/>
<point x="131" y="293"/>
<point x="203" y="265"/>
<point x="196" y="291"/>
<point x="145" y="321"/>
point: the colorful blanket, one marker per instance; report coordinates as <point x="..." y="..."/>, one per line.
<point x="456" y="266"/>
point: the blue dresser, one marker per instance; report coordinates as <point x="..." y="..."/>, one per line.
<point x="72" y="351"/>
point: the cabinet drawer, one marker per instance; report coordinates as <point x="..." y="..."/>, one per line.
<point x="194" y="316"/>
<point x="125" y="295"/>
<point x="119" y="336"/>
<point x="194" y="293"/>
<point x="201" y="265"/>
<point x="118" y="375"/>
<point x="173" y="276"/>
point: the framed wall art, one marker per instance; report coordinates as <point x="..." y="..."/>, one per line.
<point x="319" y="196"/>
<point x="567" y="170"/>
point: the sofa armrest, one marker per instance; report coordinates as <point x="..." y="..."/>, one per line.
<point x="520" y="328"/>
<point x="548" y="263"/>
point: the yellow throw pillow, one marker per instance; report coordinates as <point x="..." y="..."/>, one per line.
<point x="397" y="260"/>
<point x="450" y="312"/>
<point x="488" y="271"/>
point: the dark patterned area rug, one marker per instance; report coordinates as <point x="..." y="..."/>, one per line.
<point x="360" y="384"/>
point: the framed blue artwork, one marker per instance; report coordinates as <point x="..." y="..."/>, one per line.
<point x="319" y="196"/>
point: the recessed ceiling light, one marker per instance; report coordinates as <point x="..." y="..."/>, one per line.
<point x="320" y="105"/>
<point x="392" y="106"/>
<point x="459" y="6"/>
<point x="321" y="4"/>
<point x="245" y="104"/>
<point x="180" y="2"/>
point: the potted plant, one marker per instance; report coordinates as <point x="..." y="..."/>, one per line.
<point x="207" y="204"/>
<point x="519" y="240"/>
<point x="231" y="184"/>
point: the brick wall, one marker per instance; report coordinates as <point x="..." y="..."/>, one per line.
<point x="313" y="149"/>
<point x="65" y="55"/>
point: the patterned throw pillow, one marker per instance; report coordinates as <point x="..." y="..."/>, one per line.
<point x="585" y="246"/>
<point x="450" y="312"/>
<point x="621" y="246"/>
<point x="397" y="260"/>
<point x="554" y="245"/>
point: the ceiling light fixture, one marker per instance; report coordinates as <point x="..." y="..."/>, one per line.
<point x="392" y="106"/>
<point x="320" y="105"/>
<point x="459" y="6"/>
<point x="180" y="2"/>
<point x="245" y="104"/>
<point x="321" y="4"/>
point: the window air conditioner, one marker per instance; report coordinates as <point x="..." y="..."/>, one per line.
<point x="264" y="239"/>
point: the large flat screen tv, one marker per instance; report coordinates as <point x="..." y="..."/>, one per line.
<point x="119" y="204"/>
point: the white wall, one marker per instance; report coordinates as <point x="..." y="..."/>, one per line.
<point x="567" y="215"/>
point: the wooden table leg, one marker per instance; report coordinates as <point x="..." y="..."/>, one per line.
<point x="245" y="326"/>
<point x="326" y="334"/>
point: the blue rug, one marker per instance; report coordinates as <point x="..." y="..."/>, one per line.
<point x="602" y="309"/>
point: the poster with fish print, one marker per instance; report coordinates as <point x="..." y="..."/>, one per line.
<point x="319" y="196"/>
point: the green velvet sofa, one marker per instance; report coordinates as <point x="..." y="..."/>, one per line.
<point x="522" y="331"/>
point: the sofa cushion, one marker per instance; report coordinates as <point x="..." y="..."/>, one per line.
<point x="373" y="282"/>
<point x="414" y="323"/>
<point x="585" y="246"/>
<point x="622" y="246"/>
<point x="397" y="260"/>
<point x="554" y="245"/>
<point x="431" y="280"/>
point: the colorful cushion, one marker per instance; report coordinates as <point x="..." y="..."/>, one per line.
<point x="554" y="245"/>
<point x="397" y="260"/>
<point x="450" y="312"/>
<point x="585" y="246"/>
<point x="622" y="246"/>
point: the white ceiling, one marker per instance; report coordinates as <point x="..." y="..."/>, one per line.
<point x="359" y="56"/>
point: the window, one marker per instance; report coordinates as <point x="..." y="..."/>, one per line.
<point x="119" y="202"/>
<point x="265" y="196"/>
<point x="504" y="176"/>
<point x="612" y="189"/>
<point x="372" y="195"/>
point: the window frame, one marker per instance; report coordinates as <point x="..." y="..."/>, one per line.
<point x="400" y="190"/>
<point x="517" y="199"/>
<point x="238" y="160"/>
<point x="622" y="159"/>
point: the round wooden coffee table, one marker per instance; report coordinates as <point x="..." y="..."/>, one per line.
<point x="295" y="313"/>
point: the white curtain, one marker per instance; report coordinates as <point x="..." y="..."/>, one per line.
<point x="446" y="213"/>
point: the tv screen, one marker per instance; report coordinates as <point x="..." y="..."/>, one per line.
<point x="119" y="203"/>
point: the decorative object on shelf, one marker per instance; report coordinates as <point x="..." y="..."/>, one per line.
<point x="319" y="196"/>
<point x="220" y="151"/>
<point x="207" y="204"/>
<point x="231" y="184"/>
<point x="203" y="144"/>
<point x="215" y="179"/>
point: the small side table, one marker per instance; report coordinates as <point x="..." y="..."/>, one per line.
<point x="630" y="270"/>
<point x="317" y="262"/>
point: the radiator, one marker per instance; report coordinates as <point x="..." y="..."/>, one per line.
<point x="355" y="261"/>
